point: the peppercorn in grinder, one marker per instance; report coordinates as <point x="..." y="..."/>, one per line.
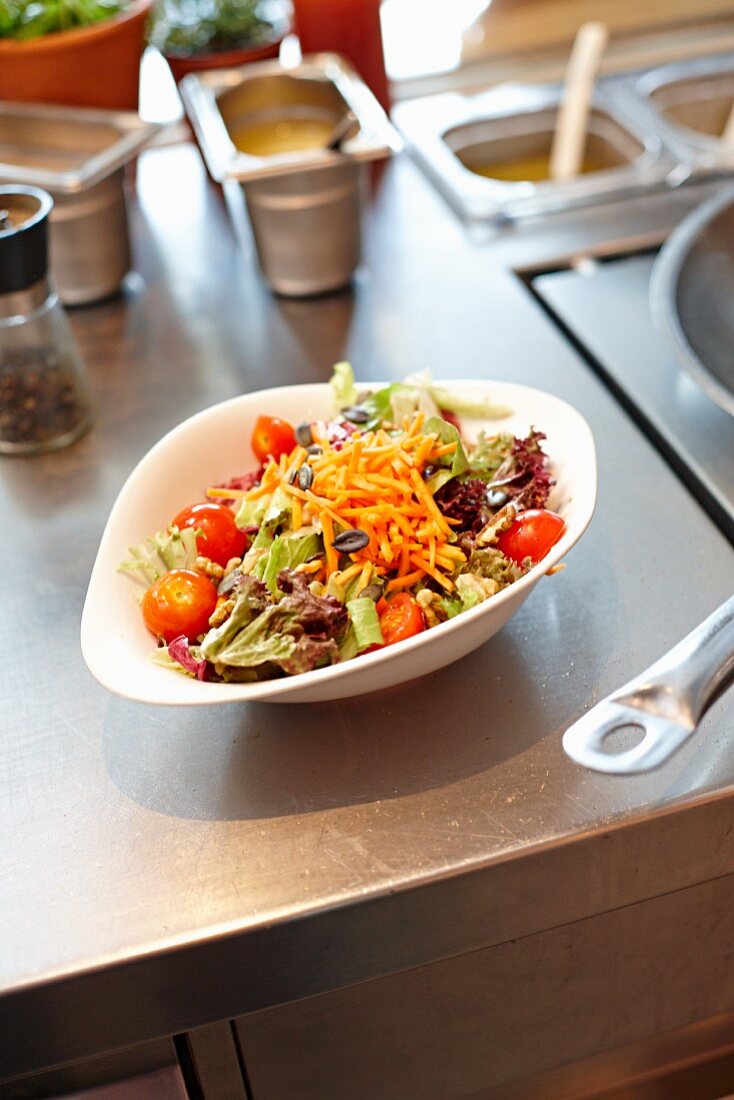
<point x="44" y="400"/>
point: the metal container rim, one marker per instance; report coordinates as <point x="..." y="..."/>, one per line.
<point x="133" y="133"/>
<point x="200" y="93"/>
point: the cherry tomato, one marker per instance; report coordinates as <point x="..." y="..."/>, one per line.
<point x="180" y="602"/>
<point x="220" y="538"/>
<point x="531" y="535"/>
<point x="272" y="436"/>
<point x="400" y="618"/>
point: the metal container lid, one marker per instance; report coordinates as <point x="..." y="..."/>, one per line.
<point x="24" y="215"/>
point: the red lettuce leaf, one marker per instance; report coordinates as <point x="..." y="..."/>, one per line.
<point x="179" y="650"/>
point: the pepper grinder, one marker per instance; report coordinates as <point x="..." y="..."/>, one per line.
<point x="44" y="398"/>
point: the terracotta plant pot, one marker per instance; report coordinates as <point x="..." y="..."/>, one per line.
<point x="227" y="59"/>
<point x="95" y="66"/>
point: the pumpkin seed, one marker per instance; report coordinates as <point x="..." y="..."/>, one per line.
<point x="348" y="542"/>
<point x="305" y="477"/>
<point x="372" y="592"/>
<point x="358" y="414"/>
<point x="303" y="434"/>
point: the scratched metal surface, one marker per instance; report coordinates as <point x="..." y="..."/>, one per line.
<point x="191" y="865"/>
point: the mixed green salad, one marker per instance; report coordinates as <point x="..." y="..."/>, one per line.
<point x="352" y="533"/>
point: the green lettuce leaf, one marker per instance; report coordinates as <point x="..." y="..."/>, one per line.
<point x="451" y="605"/>
<point x="275" y="513"/>
<point x="271" y="510"/>
<point x="252" y="512"/>
<point x="491" y="564"/>
<point x="286" y="552"/>
<point x="473" y="589"/>
<point x="460" y="406"/>
<point x="452" y="465"/>
<point x="251" y="600"/>
<point x="256" y="645"/>
<point x="400" y="399"/>
<point x="343" y="386"/>
<point x="488" y="453"/>
<point x="396" y="401"/>
<point x="451" y="402"/>
<point x="163" y="551"/>
<point x="365" y="621"/>
<point x="275" y="637"/>
<point x="391" y="403"/>
<point x="406" y="400"/>
<point x="298" y="633"/>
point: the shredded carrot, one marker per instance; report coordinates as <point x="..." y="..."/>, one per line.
<point x="350" y="572"/>
<point x="296" y="457"/>
<point x="312" y="566"/>
<point x="217" y="493"/>
<point x="260" y="490"/>
<point x="432" y="551"/>
<point x="422" y="563"/>
<point x="297" y="513"/>
<point x="356" y="450"/>
<point x="370" y="531"/>
<point x="404" y="566"/>
<point x="405" y="581"/>
<point x="424" y="449"/>
<point x="413" y="427"/>
<point x="332" y="557"/>
<point x="364" y="577"/>
<point x="373" y="482"/>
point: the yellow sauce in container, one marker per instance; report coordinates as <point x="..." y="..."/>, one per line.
<point x="533" y="169"/>
<point x="284" y="135"/>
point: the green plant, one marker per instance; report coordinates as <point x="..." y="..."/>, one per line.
<point x="182" y="28"/>
<point x="24" y="19"/>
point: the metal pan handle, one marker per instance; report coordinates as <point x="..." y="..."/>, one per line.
<point x="666" y="701"/>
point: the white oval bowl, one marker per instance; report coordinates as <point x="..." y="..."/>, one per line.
<point x="213" y="446"/>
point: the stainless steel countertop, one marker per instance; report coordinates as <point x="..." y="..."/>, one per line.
<point x="163" y="867"/>
<point x="697" y="436"/>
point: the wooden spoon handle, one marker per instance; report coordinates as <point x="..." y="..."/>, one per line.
<point x="727" y="134"/>
<point x="570" y="134"/>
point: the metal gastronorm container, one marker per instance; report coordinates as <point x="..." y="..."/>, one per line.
<point x="305" y="205"/>
<point x="78" y="156"/>
<point x="514" y="121"/>
<point x="687" y="103"/>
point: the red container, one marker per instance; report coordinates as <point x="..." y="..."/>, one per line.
<point x="348" y="27"/>
<point x="226" y="59"/>
<point x="95" y="66"/>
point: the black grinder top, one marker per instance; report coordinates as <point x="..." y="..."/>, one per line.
<point x="24" y="213"/>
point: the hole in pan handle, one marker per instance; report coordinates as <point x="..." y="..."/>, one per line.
<point x="585" y="740"/>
